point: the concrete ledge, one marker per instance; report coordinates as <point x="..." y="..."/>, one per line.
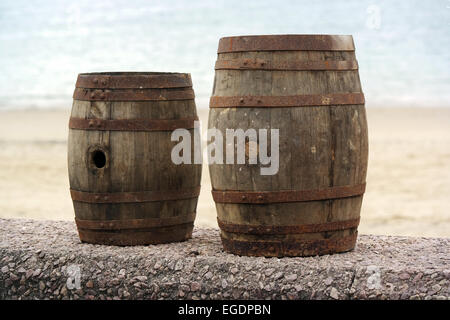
<point x="45" y="260"/>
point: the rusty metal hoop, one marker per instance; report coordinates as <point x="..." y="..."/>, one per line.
<point x="133" y="80"/>
<point x="260" y="64"/>
<point x="262" y="197"/>
<point x="305" y="100"/>
<point x="290" y="42"/>
<point x="293" y="229"/>
<point x="132" y="124"/>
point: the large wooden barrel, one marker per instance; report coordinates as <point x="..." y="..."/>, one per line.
<point x="308" y="87"/>
<point x="124" y="186"/>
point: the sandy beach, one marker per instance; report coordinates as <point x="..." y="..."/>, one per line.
<point x="408" y="183"/>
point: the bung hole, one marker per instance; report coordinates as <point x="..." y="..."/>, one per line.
<point x="99" y="158"/>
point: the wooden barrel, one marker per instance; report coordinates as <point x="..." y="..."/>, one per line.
<point x="308" y="87"/>
<point x="124" y="186"/>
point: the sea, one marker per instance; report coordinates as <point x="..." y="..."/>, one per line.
<point x="402" y="46"/>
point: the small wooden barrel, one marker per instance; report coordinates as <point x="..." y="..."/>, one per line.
<point x="308" y="87"/>
<point x="124" y="186"/>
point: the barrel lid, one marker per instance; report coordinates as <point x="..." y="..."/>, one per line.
<point x="133" y="80"/>
<point x="288" y="42"/>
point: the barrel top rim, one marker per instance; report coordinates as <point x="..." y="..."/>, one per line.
<point x="286" y="42"/>
<point x="134" y="73"/>
<point x="289" y="35"/>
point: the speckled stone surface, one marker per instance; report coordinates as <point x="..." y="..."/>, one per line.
<point x="45" y="260"/>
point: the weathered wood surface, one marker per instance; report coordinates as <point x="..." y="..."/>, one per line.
<point x="136" y="161"/>
<point x="320" y="147"/>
